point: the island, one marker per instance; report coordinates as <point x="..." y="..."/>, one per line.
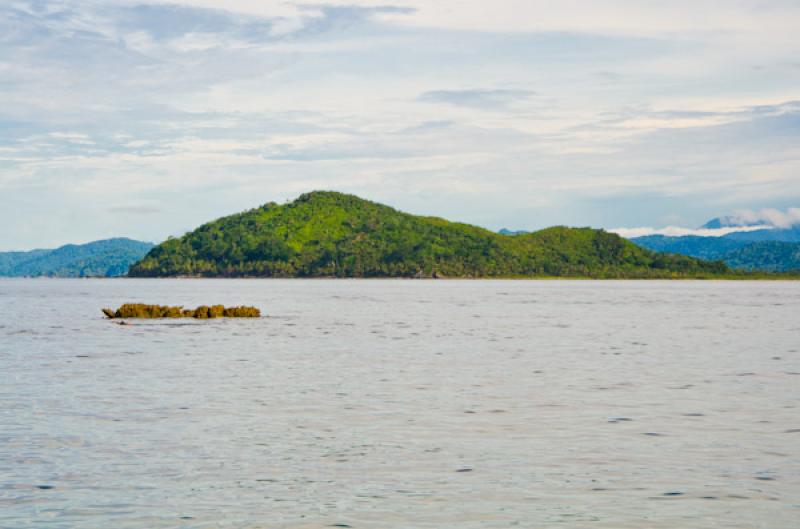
<point x="331" y="234"/>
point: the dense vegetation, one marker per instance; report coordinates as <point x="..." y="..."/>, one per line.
<point x="107" y="258"/>
<point x="738" y="253"/>
<point x="710" y="248"/>
<point x="140" y="310"/>
<point x="332" y="234"/>
<point x="771" y="256"/>
<point x="9" y="261"/>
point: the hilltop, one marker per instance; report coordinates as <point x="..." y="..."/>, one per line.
<point x="324" y="234"/>
<point x="106" y="258"/>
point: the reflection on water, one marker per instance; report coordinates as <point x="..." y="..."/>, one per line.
<point x="416" y="404"/>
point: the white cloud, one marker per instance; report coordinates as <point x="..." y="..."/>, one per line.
<point x="509" y="113"/>
<point x="676" y="231"/>
<point x="741" y="221"/>
<point x="771" y="217"/>
<point x="625" y="17"/>
<point x="263" y="8"/>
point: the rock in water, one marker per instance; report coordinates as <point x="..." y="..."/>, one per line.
<point x="140" y="310"/>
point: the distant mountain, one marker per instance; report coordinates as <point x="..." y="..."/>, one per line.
<point x="9" y="260"/>
<point x="729" y="222"/>
<point x="709" y="248"/>
<point x="775" y="234"/>
<point x="107" y="258"/>
<point x="323" y="234"/>
<point x="505" y="231"/>
<point x="735" y="249"/>
<point x="770" y="231"/>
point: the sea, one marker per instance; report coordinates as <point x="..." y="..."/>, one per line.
<point x="402" y="404"/>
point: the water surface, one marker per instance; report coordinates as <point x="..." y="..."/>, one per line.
<point x="415" y="404"/>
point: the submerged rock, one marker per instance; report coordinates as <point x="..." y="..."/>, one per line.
<point x="140" y="310"/>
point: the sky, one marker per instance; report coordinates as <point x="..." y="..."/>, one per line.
<point x="144" y="119"/>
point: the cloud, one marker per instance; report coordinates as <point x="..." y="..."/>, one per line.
<point x="425" y="140"/>
<point x="72" y="137"/>
<point x="477" y="98"/>
<point x="638" y="107"/>
<point x="771" y="217"/>
<point x="675" y="231"/>
<point x="136" y="210"/>
<point x="741" y="221"/>
<point x="687" y="17"/>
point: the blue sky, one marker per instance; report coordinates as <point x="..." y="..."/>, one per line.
<point x="145" y="119"/>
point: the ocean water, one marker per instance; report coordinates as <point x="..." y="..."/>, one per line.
<point x="414" y="404"/>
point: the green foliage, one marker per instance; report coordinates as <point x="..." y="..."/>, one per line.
<point x="108" y="258"/>
<point x="763" y="255"/>
<point x="327" y="234"/>
<point x="140" y="310"/>
<point x="714" y="248"/>
<point x="772" y="256"/>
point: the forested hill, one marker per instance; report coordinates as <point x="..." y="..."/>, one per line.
<point x="106" y="258"/>
<point x="332" y="234"/>
<point x="759" y="254"/>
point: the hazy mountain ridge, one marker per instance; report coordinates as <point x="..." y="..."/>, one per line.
<point x="324" y="234"/>
<point x="709" y="248"/>
<point x="775" y="234"/>
<point x="730" y="222"/>
<point x="105" y="258"/>
<point x="770" y="250"/>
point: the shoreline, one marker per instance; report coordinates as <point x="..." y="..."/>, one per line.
<point x="765" y="277"/>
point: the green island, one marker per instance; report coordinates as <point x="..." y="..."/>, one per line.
<point x="140" y="310"/>
<point x="330" y="234"/>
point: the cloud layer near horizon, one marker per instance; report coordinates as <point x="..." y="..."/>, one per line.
<point x="677" y="231"/>
<point x="146" y="118"/>
<point x="741" y="220"/>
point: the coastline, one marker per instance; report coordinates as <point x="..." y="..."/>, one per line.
<point x="789" y="277"/>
